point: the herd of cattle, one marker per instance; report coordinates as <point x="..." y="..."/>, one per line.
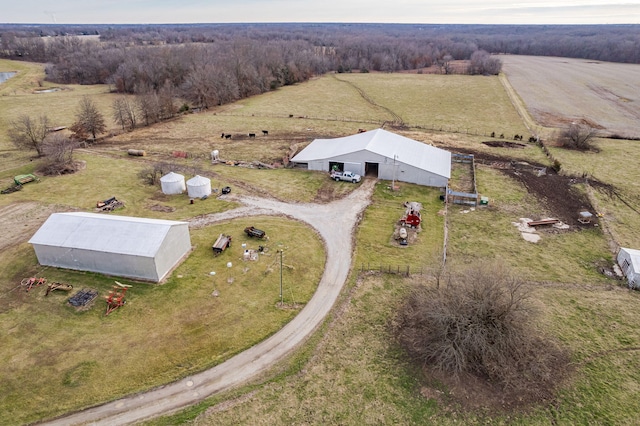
<point x="251" y="135"/>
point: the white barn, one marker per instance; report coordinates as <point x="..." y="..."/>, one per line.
<point x="629" y="261"/>
<point x="138" y="248"/>
<point x="380" y="154"/>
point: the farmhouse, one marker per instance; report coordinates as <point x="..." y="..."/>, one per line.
<point x="629" y="261"/>
<point x="138" y="248"/>
<point x="380" y="154"/>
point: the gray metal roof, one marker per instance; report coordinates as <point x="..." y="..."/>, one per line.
<point x="104" y="233"/>
<point x="382" y="142"/>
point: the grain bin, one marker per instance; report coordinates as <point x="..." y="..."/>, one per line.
<point x="172" y="183"/>
<point x="198" y="187"/>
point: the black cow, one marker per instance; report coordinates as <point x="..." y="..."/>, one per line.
<point x="227" y="136"/>
<point x="252" y="135"/>
<point x="265" y="132"/>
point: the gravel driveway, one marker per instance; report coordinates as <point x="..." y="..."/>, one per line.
<point x="335" y="222"/>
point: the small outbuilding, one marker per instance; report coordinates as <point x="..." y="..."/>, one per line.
<point x="199" y="186"/>
<point x="380" y="154"/>
<point x="138" y="248"/>
<point x="172" y="183"/>
<point x="629" y="261"/>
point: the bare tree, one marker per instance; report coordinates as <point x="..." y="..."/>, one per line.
<point x="58" y="150"/>
<point x="578" y="136"/>
<point x="89" y="121"/>
<point x="148" y="107"/>
<point x="124" y="113"/>
<point x="28" y="133"/>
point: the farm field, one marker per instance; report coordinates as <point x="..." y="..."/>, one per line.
<point x="352" y="357"/>
<point x="558" y="91"/>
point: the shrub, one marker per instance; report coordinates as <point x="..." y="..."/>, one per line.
<point x="578" y="136"/>
<point x="480" y="323"/>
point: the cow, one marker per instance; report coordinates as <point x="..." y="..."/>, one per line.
<point x="227" y="136"/>
<point x="222" y="136"/>
<point x="252" y="135"/>
<point x="265" y="133"/>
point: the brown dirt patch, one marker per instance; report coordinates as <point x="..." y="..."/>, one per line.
<point x="161" y="208"/>
<point x="557" y="192"/>
<point x="504" y="144"/>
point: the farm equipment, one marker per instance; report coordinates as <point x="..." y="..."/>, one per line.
<point x="402" y="237"/>
<point x="221" y="244"/>
<point x="58" y="286"/>
<point x="115" y="299"/>
<point x="31" y="282"/>
<point x="18" y="182"/>
<point x="254" y="232"/>
<point x="9" y="190"/>
<point x="83" y="297"/>
<point x="22" y="179"/>
<point x="109" y="205"/>
<point x="411" y="215"/>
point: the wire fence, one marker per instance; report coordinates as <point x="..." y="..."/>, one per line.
<point x="404" y="270"/>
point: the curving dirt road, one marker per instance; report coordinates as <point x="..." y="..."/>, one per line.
<point x="335" y="222"/>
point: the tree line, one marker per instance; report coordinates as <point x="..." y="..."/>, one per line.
<point x="214" y="64"/>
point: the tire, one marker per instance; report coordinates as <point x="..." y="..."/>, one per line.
<point x="337" y="179"/>
<point x="354" y="181"/>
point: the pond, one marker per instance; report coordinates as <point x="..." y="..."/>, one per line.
<point x="4" y="76"/>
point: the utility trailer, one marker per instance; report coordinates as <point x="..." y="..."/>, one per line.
<point x="222" y="243"/>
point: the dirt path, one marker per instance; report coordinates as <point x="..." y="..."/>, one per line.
<point x="335" y="222"/>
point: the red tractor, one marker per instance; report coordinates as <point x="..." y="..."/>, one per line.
<point x="411" y="215"/>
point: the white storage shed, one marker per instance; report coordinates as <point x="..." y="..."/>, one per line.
<point x="172" y="183"/>
<point x="198" y="186"/>
<point x="629" y="261"/>
<point x="380" y="154"/>
<point x="138" y="248"/>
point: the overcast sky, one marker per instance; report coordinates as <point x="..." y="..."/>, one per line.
<point x="388" y="11"/>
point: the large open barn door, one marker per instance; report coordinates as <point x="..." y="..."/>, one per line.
<point x="371" y="169"/>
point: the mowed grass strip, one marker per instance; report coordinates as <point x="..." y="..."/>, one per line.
<point x="164" y="332"/>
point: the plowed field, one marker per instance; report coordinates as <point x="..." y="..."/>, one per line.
<point x="558" y="91"/>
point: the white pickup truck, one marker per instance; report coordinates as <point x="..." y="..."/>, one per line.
<point x="346" y="176"/>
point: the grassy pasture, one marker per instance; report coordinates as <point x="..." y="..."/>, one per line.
<point x="488" y="233"/>
<point x="64" y="356"/>
<point x="64" y="360"/>
<point x="356" y="374"/>
<point x="453" y="103"/>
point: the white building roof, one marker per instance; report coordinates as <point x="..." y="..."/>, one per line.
<point x="382" y="142"/>
<point x="104" y="233"/>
